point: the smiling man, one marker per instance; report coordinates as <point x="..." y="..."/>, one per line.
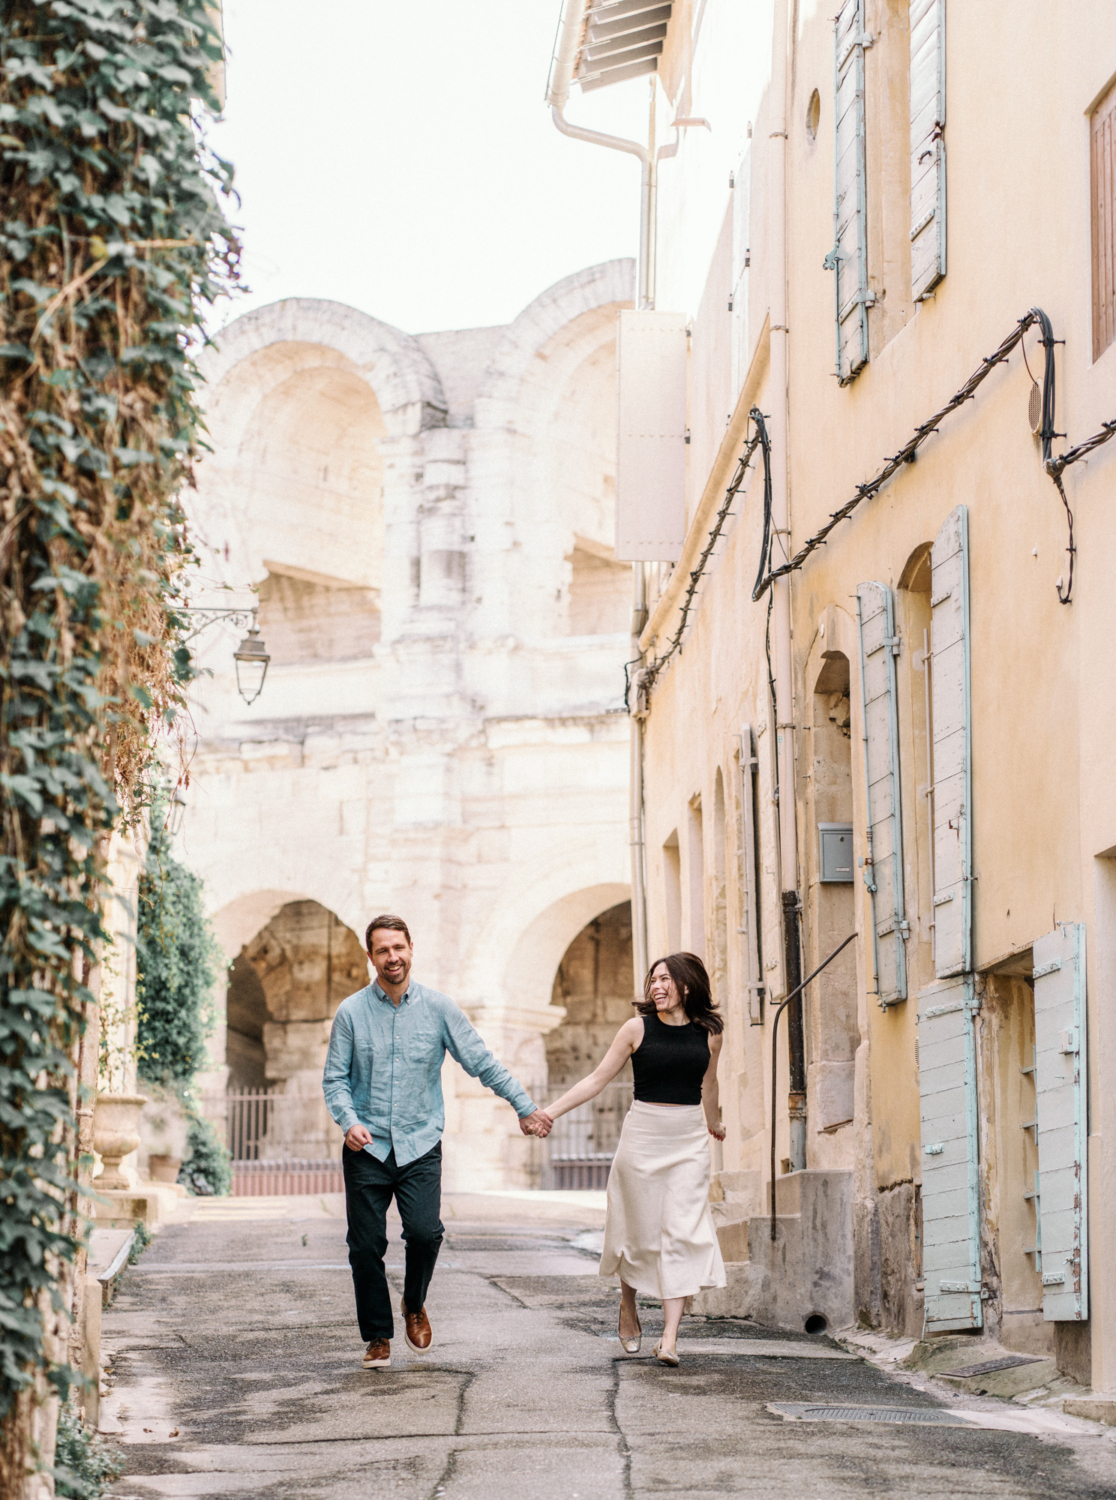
<point x="383" y="1086"/>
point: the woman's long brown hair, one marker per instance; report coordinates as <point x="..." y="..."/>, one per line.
<point x="692" y="983"/>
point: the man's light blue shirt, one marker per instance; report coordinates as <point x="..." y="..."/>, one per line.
<point x="384" y="1068"/>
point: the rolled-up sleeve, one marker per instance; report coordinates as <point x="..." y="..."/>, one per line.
<point x="464" y="1044"/>
<point x="337" y="1079"/>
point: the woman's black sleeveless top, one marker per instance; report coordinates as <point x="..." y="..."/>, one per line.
<point x="670" y="1063"/>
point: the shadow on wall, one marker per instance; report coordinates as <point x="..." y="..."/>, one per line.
<point x="284" y="987"/>
<point x="594" y="984"/>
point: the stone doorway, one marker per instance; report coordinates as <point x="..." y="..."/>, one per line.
<point x="284" y="989"/>
<point x="594" y="984"/>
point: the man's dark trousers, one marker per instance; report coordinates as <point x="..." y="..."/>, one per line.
<point x="370" y="1186"/>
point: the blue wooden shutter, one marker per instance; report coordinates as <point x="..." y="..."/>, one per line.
<point x="928" y="112"/>
<point x="848" y="259"/>
<point x="950" y="1159"/>
<point x="952" y="757"/>
<point x="883" y="869"/>
<point x="1060" y="1110"/>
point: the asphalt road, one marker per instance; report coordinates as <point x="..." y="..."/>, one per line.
<point x="236" y="1371"/>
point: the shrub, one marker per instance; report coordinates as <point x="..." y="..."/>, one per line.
<point x="206" y="1170"/>
<point x="177" y="962"/>
<point x="83" y="1465"/>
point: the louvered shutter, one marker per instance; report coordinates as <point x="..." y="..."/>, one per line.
<point x="928" y="162"/>
<point x="952" y="792"/>
<point x="741" y="262"/>
<point x="883" y="869"/>
<point x="950" y="1158"/>
<point x="1060" y="1110"/>
<point x="848" y="259"/>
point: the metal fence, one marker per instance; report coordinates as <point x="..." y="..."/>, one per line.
<point x="279" y="1144"/>
<point x="287" y="1144"/>
<point x="579" y="1150"/>
<point x="259" y="1179"/>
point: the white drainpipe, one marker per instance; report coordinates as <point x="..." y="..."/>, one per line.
<point x="557" y="95"/>
<point x="779" y="428"/>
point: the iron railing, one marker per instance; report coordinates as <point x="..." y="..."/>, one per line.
<point x="287" y="1144"/>
<point x="579" y="1150"/>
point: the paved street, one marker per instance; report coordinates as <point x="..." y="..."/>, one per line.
<point x="236" y="1371"/>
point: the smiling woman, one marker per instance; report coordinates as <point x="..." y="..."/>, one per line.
<point x="659" y="1235"/>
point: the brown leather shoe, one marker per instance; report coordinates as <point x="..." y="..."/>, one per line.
<point x="378" y="1355"/>
<point x="416" y="1329"/>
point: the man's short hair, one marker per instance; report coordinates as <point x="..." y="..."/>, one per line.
<point x="393" y="924"/>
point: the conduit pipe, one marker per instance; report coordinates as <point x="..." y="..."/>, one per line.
<point x="794" y="995"/>
<point x="570" y="30"/>
<point x="781" y="608"/>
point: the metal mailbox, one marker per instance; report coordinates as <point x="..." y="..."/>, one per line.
<point x="836" y="841"/>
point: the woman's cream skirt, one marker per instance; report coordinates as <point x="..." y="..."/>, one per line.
<point x="659" y="1233"/>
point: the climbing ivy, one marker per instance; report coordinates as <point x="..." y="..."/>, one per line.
<point x="112" y="245"/>
<point x="178" y="959"/>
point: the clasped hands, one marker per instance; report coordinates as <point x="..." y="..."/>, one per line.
<point x="539" y="1124"/>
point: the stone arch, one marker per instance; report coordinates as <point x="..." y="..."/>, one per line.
<point x="305" y="403"/>
<point x="393" y="363"/>
<point x="534" y="918"/>
<point x="611" y="283"/>
<point x="593" y="985"/>
<point x="285" y="985"/>
<point x="541" y="946"/>
<point x="549" y="395"/>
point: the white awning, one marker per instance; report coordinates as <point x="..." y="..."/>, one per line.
<point x="606" y="41"/>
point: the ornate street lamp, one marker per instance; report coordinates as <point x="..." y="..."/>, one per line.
<point x="251" y="656"/>
<point x="251" y="665"/>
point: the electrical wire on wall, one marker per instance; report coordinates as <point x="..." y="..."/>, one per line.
<point x="1054" y="467"/>
<point x="643" y="680"/>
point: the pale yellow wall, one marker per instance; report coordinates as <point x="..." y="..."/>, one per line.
<point x="1044" y="710"/>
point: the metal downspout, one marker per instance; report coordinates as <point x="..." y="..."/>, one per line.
<point x="781" y="608"/>
<point x="558" y="90"/>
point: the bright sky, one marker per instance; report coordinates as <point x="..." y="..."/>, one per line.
<point x="397" y="155"/>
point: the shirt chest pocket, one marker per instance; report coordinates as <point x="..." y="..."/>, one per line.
<point x="424" y="1045"/>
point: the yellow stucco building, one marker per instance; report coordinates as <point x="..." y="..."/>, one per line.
<point x="886" y="237"/>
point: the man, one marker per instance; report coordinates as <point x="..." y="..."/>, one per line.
<point x="383" y="1086"/>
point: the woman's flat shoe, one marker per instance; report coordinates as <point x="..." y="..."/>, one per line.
<point x="629" y="1346"/>
<point x="666" y="1356"/>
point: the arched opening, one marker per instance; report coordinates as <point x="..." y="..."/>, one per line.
<point x="719" y="966"/>
<point x="285" y="985"/>
<point x="594" y="985"/>
<point x="913" y="600"/>
<point x="834" y="1029"/>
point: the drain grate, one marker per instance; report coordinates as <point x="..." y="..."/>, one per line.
<point x="990" y="1366"/>
<point x="926" y="1416"/>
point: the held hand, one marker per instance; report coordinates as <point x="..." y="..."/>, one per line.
<point x="356" y="1137"/>
<point x="537" y="1124"/>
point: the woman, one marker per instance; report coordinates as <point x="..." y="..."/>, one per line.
<point x="659" y="1232"/>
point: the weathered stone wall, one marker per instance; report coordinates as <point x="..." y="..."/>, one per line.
<point x="429" y="522"/>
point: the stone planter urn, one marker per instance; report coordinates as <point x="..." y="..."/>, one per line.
<point x="164" y="1168"/>
<point x="116" y="1133"/>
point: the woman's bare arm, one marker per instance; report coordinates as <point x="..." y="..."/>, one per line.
<point x="711" y="1090"/>
<point x="625" y="1042"/>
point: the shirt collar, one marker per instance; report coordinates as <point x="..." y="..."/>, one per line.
<point x="386" y="999"/>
